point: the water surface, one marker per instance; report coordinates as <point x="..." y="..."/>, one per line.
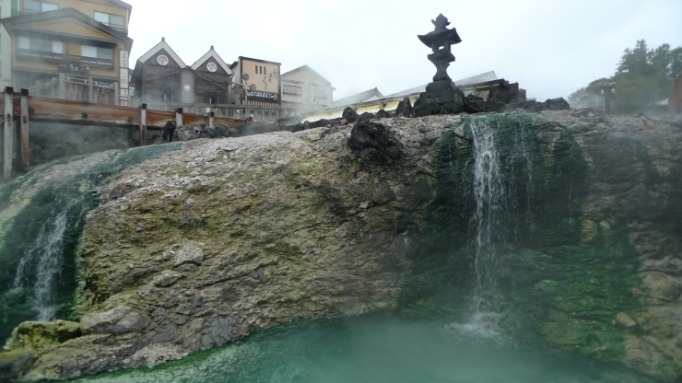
<point x="376" y="349"/>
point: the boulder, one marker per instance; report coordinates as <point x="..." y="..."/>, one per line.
<point x="374" y="143"/>
<point x="404" y="108"/>
<point x="349" y="114"/>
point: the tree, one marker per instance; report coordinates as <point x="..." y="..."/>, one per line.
<point x="593" y="95"/>
<point x="643" y="77"/>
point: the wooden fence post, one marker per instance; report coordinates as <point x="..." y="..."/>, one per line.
<point x="178" y="117"/>
<point x="24" y="136"/>
<point x="8" y="127"/>
<point x="211" y="120"/>
<point x="143" y="124"/>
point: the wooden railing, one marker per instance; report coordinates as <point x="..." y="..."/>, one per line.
<point x="24" y="109"/>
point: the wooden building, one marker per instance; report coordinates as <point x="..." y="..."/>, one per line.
<point x="212" y="78"/>
<point x="71" y="49"/>
<point x="247" y="88"/>
<point x="161" y="78"/>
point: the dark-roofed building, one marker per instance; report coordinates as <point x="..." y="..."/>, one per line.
<point x="212" y="78"/>
<point x="65" y="53"/>
<point x="161" y="77"/>
<point x="247" y="88"/>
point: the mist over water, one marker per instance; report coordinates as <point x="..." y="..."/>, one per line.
<point x="373" y="349"/>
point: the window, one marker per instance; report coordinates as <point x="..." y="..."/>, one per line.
<point x="292" y="89"/>
<point x="261" y="70"/>
<point x="114" y="21"/>
<point x="41" y="45"/>
<point x="97" y="52"/>
<point x="33" y="6"/>
<point x="320" y="94"/>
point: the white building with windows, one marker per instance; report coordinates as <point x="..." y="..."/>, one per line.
<point x="303" y="89"/>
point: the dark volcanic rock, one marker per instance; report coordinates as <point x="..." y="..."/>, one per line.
<point x="404" y="108"/>
<point x="350" y="115"/>
<point x="374" y="143"/>
<point x="382" y="114"/>
<point x="474" y="104"/>
<point x="556" y="104"/>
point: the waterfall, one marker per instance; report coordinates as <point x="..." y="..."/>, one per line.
<point x="501" y="198"/>
<point x="42" y="214"/>
<point x="41" y="264"/>
<point x="489" y="193"/>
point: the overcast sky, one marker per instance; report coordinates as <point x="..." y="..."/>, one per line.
<point x="550" y="47"/>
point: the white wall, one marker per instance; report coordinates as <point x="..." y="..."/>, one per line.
<point x="5" y="47"/>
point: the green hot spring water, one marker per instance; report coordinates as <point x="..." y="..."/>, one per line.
<point x="374" y="349"/>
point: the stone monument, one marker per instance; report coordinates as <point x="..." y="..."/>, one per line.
<point x="441" y="96"/>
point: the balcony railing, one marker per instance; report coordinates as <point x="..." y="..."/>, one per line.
<point x="66" y="63"/>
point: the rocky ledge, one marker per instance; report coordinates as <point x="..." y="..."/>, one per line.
<point x="195" y="248"/>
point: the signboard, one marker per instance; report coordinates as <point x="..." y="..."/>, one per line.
<point x="123" y="80"/>
<point x="124" y="59"/>
<point x="262" y="96"/>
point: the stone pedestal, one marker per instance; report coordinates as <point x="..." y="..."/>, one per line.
<point x="441" y="97"/>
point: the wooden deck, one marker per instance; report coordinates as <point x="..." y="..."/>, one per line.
<point x="25" y="108"/>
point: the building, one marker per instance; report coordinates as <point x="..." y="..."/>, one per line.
<point x="212" y="79"/>
<point x="248" y="87"/>
<point x="365" y="96"/>
<point x="303" y="90"/>
<point x="161" y="78"/>
<point x="71" y="49"/>
<point x="163" y="81"/>
<point x="256" y="82"/>
<point x="5" y="46"/>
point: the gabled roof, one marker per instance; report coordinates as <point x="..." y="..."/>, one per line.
<point x="115" y="3"/>
<point x="479" y="78"/>
<point x="306" y="68"/>
<point x="163" y="45"/>
<point x="368" y="95"/>
<point x="22" y="23"/>
<point x="215" y="56"/>
<point x="120" y="4"/>
<point x="483" y="77"/>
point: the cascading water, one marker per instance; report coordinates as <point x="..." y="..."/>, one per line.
<point x="41" y="217"/>
<point x="498" y="218"/>
<point x="483" y="232"/>
<point x="41" y="265"/>
<point x="489" y="197"/>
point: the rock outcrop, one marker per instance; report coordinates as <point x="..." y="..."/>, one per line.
<point x="196" y="248"/>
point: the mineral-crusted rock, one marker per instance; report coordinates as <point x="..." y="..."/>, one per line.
<point x="196" y="248"/>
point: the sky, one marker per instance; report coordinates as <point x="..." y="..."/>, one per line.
<point x="550" y="47"/>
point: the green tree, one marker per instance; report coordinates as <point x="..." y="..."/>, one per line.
<point x="593" y="95"/>
<point x="643" y="77"/>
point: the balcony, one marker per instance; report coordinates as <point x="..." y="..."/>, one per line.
<point x="66" y="63"/>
